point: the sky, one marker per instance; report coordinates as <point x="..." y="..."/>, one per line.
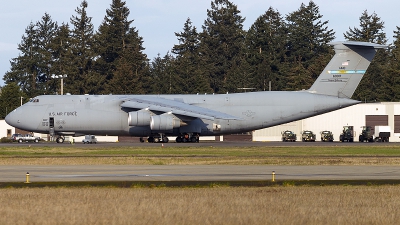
<point x="158" y="20"/>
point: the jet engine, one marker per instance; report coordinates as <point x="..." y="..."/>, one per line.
<point x="164" y="122"/>
<point x="139" y="118"/>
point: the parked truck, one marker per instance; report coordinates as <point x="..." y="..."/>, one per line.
<point x="89" y="139"/>
<point x="24" y="138"/>
<point x="288" y="136"/>
<point x="308" y="136"/>
<point x="366" y="135"/>
<point x="326" y="136"/>
<point x="347" y="134"/>
<point x="382" y="133"/>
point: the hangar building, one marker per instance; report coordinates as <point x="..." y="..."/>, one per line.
<point x="364" y="114"/>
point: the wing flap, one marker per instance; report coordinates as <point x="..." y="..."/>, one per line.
<point x="175" y="107"/>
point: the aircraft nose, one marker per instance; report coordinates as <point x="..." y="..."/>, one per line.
<point x="12" y="118"/>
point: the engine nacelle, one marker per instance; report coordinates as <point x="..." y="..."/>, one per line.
<point x="164" y="122"/>
<point x="139" y="118"/>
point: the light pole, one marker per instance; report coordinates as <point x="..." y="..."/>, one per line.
<point x="62" y="81"/>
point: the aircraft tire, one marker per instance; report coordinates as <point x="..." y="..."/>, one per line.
<point x="165" y="140"/>
<point x="60" y="140"/>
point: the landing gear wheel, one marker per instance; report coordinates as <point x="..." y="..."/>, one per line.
<point x="178" y="140"/>
<point x="193" y="139"/>
<point x="60" y="140"/>
<point x="165" y="139"/>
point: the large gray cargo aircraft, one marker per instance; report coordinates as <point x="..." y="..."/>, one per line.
<point x="187" y="117"/>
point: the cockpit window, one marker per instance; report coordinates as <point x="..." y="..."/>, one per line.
<point x="34" y="100"/>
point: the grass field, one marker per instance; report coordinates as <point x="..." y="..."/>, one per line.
<point x="150" y="155"/>
<point x="214" y="204"/>
<point x="218" y="205"/>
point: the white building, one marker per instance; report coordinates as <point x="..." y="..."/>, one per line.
<point x="6" y="130"/>
<point x="365" y="114"/>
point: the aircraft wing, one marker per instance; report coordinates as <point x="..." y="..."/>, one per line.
<point x="175" y="107"/>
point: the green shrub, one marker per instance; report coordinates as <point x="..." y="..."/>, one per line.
<point x="5" y="140"/>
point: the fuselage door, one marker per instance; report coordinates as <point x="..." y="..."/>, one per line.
<point x="51" y="126"/>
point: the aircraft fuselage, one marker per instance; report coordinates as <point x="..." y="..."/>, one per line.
<point x="103" y="114"/>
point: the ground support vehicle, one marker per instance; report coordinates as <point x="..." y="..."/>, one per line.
<point x="326" y="136"/>
<point x="382" y="133"/>
<point x="288" y="136"/>
<point x="347" y="134"/>
<point x="366" y="134"/>
<point x="308" y="136"/>
<point x="25" y="138"/>
<point x="89" y="139"/>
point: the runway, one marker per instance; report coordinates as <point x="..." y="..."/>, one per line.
<point x="205" y="144"/>
<point x="194" y="173"/>
<point x="197" y="172"/>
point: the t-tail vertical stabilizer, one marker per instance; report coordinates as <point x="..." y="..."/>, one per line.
<point x="345" y="70"/>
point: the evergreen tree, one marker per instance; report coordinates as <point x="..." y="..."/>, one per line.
<point x="33" y="67"/>
<point x="393" y="70"/>
<point x="164" y="77"/>
<point x="307" y="36"/>
<point x="82" y="79"/>
<point x="11" y="98"/>
<point x="46" y="31"/>
<point x="23" y="68"/>
<point x="222" y="44"/>
<point x="116" y="37"/>
<point x="161" y="78"/>
<point x="298" y="77"/>
<point x="265" y="43"/>
<point x="371" y="30"/>
<point x="123" y="77"/>
<point x="60" y="49"/>
<point x="190" y="77"/>
<point x="374" y="86"/>
<point x="135" y="65"/>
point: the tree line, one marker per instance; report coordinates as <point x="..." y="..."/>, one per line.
<point x="276" y="53"/>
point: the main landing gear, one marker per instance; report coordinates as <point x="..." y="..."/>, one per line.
<point x="182" y="138"/>
<point x="60" y="139"/>
<point x="161" y="138"/>
<point x="156" y="139"/>
<point x="188" y="138"/>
